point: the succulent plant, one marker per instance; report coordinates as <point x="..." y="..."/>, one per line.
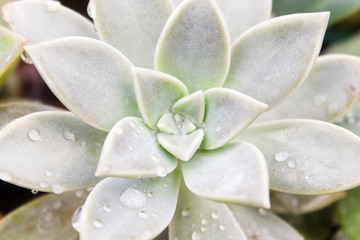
<point x="172" y="141"/>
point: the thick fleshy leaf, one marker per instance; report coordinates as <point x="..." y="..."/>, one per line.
<point x="240" y="15"/>
<point x="272" y="59"/>
<point x="41" y="21"/>
<point x="131" y="150"/>
<point x="181" y="146"/>
<point x="285" y="203"/>
<point x="261" y="224"/>
<point x="50" y="151"/>
<point x="167" y="124"/>
<point x="48" y="217"/>
<point x="192" y="107"/>
<point x="348" y="214"/>
<point x="13" y="110"/>
<point x="131" y="26"/>
<point x="129" y="208"/>
<point x="330" y="90"/>
<point x="235" y="173"/>
<point x="11" y="46"/>
<point x="307" y="157"/>
<point x="91" y="78"/>
<point x="156" y="93"/>
<point x="228" y="112"/>
<point x="194" y="45"/>
<point x="196" y="218"/>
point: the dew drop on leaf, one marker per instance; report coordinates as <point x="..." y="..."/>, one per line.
<point x="97" y="223"/>
<point x="47" y="173"/>
<point x="222" y="227"/>
<point x="75" y="220"/>
<point x="34" y="134"/>
<point x="106" y="208"/>
<point x="34" y="191"/>
<point x="91" y="9"/>
<point x="185" y="212"/>
<point x="291" y="164"/>
<point x="69" y="136"/>
<point x="214" y="215"/>
<point x="58" y="189"/>
<point x="133" y="198"/>
<point x="143" y="215"/>
<point x="161" y="171"/>
<point x="282" y="156"/>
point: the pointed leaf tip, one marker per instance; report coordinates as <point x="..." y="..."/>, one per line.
<point x="273" y="58"/>
<point x="194" y="45"/>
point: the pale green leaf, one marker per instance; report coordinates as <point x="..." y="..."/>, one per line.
<point x="330" y="90"/>
<point x="273" y="58"/>
<point x="131" y="150"/>
<point x="194" y="45"/>
<point x="196" y="218"/>
<point x="228" y="112"/>
<point x="235" y="173"/>
<point x="307" y="157"/>
<point x="156" y="93"/>
<point x="181" y="146"/>
<point x="10" y="111"/>
<point x="91" y="78"/>
<point x="285" y="203"/>
<point x="348" y="213"/>
<point x="240" y="15"/>
<point x="261" y="224"/>
<point x="129" y="208"/>
<point x="11" y="46"/>
<point x="41" y="21"/>
<point x="167" y="124"/>
<point x="131" y="26"/>
<point x="191" y="106"/>
<point x="50" y="151"/>
<point x="48" y="217"/>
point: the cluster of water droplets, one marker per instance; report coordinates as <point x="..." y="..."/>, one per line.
<point x="320" y="100"/>
<point x="285" y="156"/>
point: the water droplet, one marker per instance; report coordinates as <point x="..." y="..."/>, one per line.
<point x="25" y="58"/>
<point x="34" y="134"/>
<point x="132" y="124"/>
<point x="79" y="193"/>
<point x="263" y="212"/>
<point x="185" y="212"/>
<point x="218" y="129"/>
<point x="91" y="9"/>
<point x="5" y="176"/>
<point x="58" y="189"/>
<point x="222" y="227"/>
<point x="155" y="158"/>
<point x="150" y="194"/>
<point x="44" y="185"/>
<point x="106" y="207"/>
<point x="75" y="220"/>
<point x="204" y="221"/>
<point x="143" y="215"/>
<point x="319" y="100"/>
<point x="47" y="173"/>
<point x="57" y="205"/>
<point x="69" y="136"/>
<point x="161" y="171"/>
<point x="97" y="223"/>
<point x="34" y="191"/>
<point x="119" y="131"/>
<point x="214" y="215"/>
<point x="52" y="6"/>
<point x="291" y="164"/>
<point x="133" y="198"/>
<point x="195" y="236"/>
<point x="154" y="214"/>
<point x="203" y="229"/>
<point x="282" y="156"/>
